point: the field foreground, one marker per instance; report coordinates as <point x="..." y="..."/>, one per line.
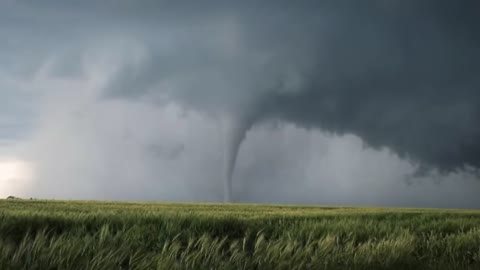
<point x="114" y="235"/>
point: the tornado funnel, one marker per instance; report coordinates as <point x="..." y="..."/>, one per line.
<point x="235" y="131"/>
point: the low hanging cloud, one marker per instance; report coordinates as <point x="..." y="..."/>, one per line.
<point x="398" y="74"/>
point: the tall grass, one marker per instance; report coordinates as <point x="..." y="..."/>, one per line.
<point x="107" y="235"/>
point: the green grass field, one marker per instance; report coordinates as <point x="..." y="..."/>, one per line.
<point x="116" y="235"/>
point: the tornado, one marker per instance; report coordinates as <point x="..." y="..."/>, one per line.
<point x="236" y="128"/>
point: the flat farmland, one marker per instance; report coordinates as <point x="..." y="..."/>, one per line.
<point x="37" y="234"/>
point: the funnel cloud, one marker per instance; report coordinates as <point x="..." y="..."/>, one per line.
<point x="236" y="129"/>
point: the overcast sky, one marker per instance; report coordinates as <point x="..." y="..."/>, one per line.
<point x="318" y="102"/>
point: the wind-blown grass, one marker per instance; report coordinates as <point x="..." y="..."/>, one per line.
<point x="110" y="235"/>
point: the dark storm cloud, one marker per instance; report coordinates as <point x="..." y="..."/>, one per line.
<point x="399" y="74"/>
<point x="407" y="80"/>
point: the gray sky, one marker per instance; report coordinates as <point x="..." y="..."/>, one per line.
<point x="328" y="102"/>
